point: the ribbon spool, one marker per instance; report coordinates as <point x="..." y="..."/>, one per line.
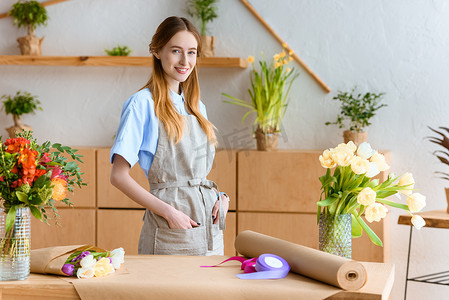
<point x="268" y="266"/>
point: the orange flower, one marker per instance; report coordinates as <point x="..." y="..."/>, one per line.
<point x="59" y="189"/>
<point x="15" y="145"/>
<point x="28" y="158"/>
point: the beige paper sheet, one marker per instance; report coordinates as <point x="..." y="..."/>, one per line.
<point x="331" y="269"/>
<point x="181" y="277"/>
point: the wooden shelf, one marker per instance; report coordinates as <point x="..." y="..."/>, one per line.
<point x="113" y="61"/>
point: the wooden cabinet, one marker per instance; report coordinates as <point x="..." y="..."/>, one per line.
<point x="274" y="193"/>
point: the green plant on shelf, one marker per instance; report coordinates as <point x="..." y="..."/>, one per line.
<point x="118" y="51"/>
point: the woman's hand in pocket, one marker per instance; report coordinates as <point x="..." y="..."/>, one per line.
<point x="178" y="220"/>
<point x="216" y="209"/>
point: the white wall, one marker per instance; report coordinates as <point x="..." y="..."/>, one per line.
<point x="398" y="47"/>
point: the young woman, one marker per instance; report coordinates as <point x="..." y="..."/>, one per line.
<point x="164" y="127"/>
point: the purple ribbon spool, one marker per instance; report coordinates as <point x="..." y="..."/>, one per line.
<point x="268" y="266"/>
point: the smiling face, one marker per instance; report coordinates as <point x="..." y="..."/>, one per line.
<point x="178" y="58"/>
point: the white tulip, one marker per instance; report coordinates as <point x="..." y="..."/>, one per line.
<point x="326" y="159"/>
<point x="88" y="261"/>
<point x="416" y="202"/>
<point x="407" y="180"/>
<point x="359" y="165"/>
<point x="380" y="160"/>
<point x="85" y="272"/>
<point x="373" y="170"/>
<point x="117" y="257"/>
<point x="366" y="196"/>
<point x="342" y="157"/>
<point x="418" y="222"/>
<point x="375" y="212"/>
<point x="349" y="147"/>
<point x="365" y="151"/>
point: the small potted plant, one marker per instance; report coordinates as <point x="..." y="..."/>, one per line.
<point x="442" y="155"/>
<point x="118" y="51"/>
<point x="21" y="103"/>
<point x="357" y="109"/>
<point x="270" y="88"/>
<point x="30" y="14"/>
<point x="205" y="11"/>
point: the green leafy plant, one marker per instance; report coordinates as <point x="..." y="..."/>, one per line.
<point x="204" y="10"/>
<point x="30" y="14"/>
<point x="442" y="155"/>
<point x="118" y="51"/>
<point x="21" y="103"/>
<point x="270" y="88"/>
<point x="357" y="109"/>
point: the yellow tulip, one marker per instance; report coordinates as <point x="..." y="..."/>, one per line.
<point x="251" y="59"/>
<point x="103" y="267"/>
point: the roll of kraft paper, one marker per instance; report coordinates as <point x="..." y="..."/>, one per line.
<point x="331" y="269"/>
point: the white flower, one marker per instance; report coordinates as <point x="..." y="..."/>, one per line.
<point x="88" y="261"/>
<point x="416" y="202"/>
<point x="375" y="212"/>
<point x="359" y="165"/>
<point x="85" y="272"/>
<point x="407" y="180"/>
<point x="418" y="222"/>
<point x="379" y="159"/>
<point x="349" y="147"/>
<point x="117" y="257"/>
<point x="342" y="156"/>
<point x="366" y="196"/>
<point x="326" y="159"/>
<point x="365" y="151"/>
<point x="373" y="170"/>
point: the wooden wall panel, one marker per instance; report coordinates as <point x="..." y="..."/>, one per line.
<point x="303" y="229"/>
<point x="224" y="172"/>
<point x="108" y="195"/>
<point x="229" y="234"/>
<point x="85" y="196"/>
<point x="119" y="228"/>
<point x="76" y="227"/>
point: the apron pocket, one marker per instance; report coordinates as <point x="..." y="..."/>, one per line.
<point x="180" y="241"/>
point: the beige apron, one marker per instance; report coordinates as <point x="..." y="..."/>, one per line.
<point x="178" y="177"/>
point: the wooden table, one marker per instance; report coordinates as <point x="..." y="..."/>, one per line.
<point x="181" y="277"/>
<point x="434" y="219"/>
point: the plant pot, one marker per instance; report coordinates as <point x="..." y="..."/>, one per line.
<point x="15" y="246"/>
<point x="266" y="141"/>
<point x="356" y="137"/>
<point x="335" y="234"/>
<point x="207" y="46"/>
<point x="13" y="130"/>
<point x="30" y="45"/>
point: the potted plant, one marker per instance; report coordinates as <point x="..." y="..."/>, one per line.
<point x="21" y="103"/>
<point x="205" y="11"/>
<point x="118" y="51"/>
<point x="270" y="88"/>
<point x="30" y="14"/>
<point x="442" y="155"/>
<point x="357" y="109"/>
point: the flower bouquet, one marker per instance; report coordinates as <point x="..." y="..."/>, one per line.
<point x="89" y="263"/>
<point x="32" y="178"/>
<point x="351" y="188"/>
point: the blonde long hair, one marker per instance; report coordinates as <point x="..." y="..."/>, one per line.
<point x="163" y="106"/>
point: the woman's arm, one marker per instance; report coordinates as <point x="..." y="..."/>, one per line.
<point x="121" y="179"/>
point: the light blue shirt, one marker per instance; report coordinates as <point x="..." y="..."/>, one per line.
<point x="138" y="132"/>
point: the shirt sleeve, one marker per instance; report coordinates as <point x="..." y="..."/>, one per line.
<point x="137" y="134"/>
<point x="203" y="109"/>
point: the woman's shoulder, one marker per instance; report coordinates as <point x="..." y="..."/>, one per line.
<point x="140" y="99"/>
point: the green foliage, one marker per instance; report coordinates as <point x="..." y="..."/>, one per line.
<point x="21" y="103"/>
<point x="29" y="13"/>
<point x="442" y="155"/>
<point x="270" y="88"/>
<point x="118" y="51"/>
<point x="203" y="10"/>
<point x="358" y="109"/>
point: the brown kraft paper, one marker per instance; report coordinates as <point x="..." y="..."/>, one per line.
<point x="51" y="260"/>
<point x="332" y="269"/>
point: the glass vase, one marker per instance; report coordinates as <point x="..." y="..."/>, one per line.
<point x="15" y="246"/>
<point x="335" y="234"/>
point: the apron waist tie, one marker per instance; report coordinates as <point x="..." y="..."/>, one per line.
<point x="192" y="183"/>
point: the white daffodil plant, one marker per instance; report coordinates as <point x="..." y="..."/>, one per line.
<point x="351" y="188"/>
